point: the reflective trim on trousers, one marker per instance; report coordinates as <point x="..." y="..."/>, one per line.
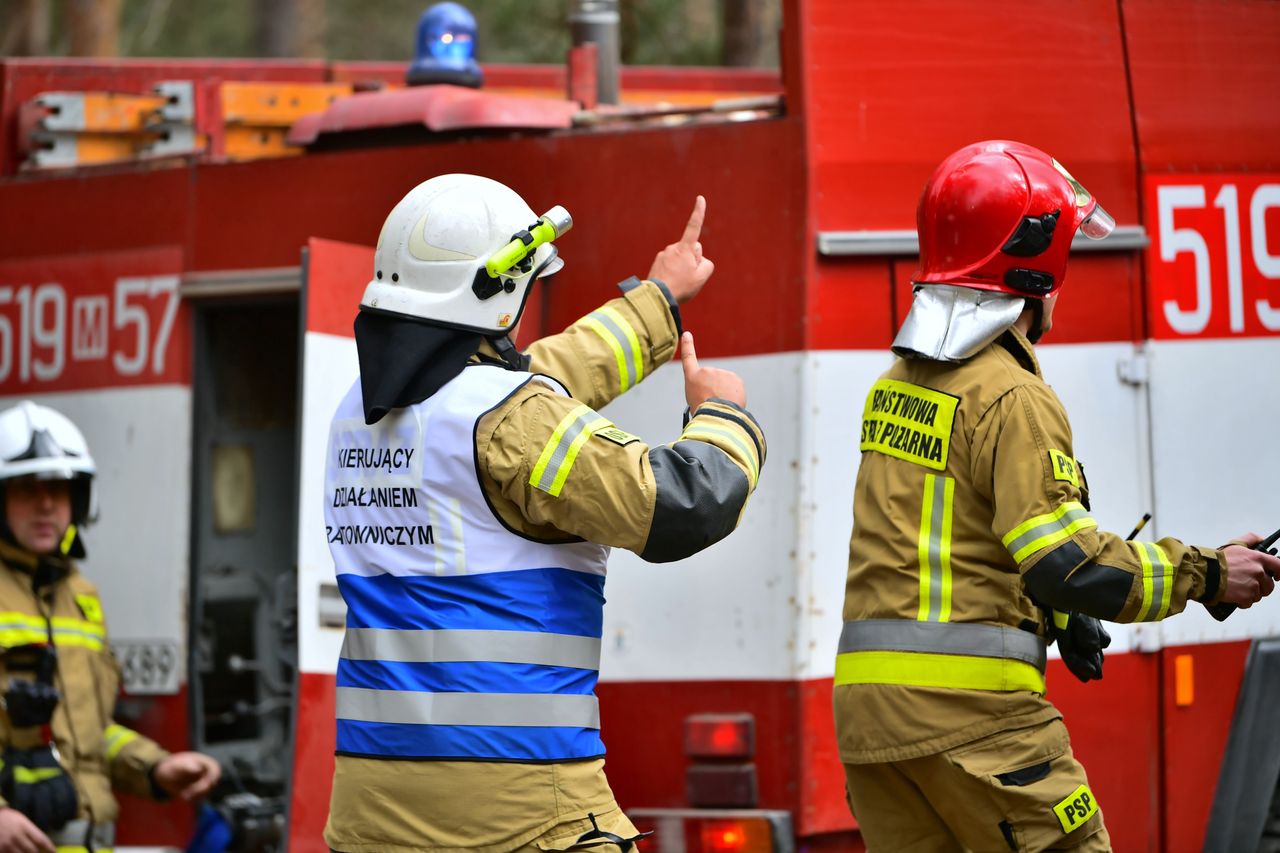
<point x="530" y="647"/>
<point x="411" y="707"/>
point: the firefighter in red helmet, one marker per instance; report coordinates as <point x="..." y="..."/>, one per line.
<point x="973" y="547"/>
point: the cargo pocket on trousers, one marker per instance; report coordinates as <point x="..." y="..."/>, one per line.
<point x="1038" y="787"/>
<point x="605" y="834"/>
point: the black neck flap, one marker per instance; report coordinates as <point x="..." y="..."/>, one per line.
<point x="404" y="361"/>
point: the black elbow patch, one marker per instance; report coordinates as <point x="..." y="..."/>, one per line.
<point x="700" y="494"/>
<point x="1093" y="589"/>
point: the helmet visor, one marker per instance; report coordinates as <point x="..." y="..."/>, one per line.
<point x="550" y="266"/>
<point x="1098" y="223"/>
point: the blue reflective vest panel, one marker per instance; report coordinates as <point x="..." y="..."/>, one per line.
<point x="464" y="640"/>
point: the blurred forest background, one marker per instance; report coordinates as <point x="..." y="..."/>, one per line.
<point x="653" y="32"/>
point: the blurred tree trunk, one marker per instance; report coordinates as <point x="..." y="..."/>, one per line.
<point x="93" y="27"/>
<point x="290" y="28"/>
<point x="628" y="29"/>
<point x="26" y="28"/>
<point x="743" y="32"/>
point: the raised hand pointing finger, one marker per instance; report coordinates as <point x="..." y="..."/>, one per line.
<point x="681" y="266"/>
<point x="693" y="228"/>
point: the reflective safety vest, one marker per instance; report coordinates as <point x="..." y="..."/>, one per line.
<point x="960" y="655"/>
<point x="464" y="640"/>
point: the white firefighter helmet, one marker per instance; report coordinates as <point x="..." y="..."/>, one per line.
<point x="437" y="253"/>
<point x="36" y="441"/>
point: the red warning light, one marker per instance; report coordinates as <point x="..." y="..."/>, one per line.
<point x="731" y="835"/>
<point x="720" y="736"/>
<point x="723" y="838"/>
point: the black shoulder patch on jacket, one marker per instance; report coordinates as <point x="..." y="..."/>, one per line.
<point x="700" y="494"/>
<point x="1093" y="589"/>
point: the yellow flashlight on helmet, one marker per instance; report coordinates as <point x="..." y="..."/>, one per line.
<point x="512" y="260"/>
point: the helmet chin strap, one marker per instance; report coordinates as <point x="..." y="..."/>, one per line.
<point x="507" y="351"/>
<point x="1037" y="321"/>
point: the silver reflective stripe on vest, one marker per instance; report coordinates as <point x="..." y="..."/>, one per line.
<point x="944" y="638"/>
<point x="410" y="707"/>
<point x="446" y="646"/>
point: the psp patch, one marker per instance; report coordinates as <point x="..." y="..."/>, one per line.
<point x="616" y="435"/>
<point x="1064" y="468"/>
<point x="909" y="422"/>
<point x="1076" y="809"/>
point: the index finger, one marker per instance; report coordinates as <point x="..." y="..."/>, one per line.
<point x="688" y="357"/>
<point x="693" y="228"/>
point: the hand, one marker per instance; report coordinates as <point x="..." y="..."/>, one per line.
<point x="703" y="383"/>
<point x="681" y="266"/>
<point x="1081" y="644"/>
<point x="1251" y="575"/>
<point x="187" y="775"/>
<point x="19" y="835"/>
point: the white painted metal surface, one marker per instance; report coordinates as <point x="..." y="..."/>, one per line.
<point x="140" y="438"/>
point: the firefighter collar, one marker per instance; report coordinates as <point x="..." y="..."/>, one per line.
<point x="950" y="323"/>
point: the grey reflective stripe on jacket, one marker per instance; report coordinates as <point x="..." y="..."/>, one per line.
<point x="442" y="646"/>
<point x="943" y="638"/>
<point x="412" y="707"/>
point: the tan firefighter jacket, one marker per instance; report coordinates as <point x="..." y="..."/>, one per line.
<point x="97" y="752"/>
<point x="663" y="503"/>
<point x="969" y="503"/>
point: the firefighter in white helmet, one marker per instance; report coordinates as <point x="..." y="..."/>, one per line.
<point x="62" y="752"/>
<point x="472" y="496"/>
<point x="973" y="544"/>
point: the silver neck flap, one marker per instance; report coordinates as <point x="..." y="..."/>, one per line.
<point x="951" y="323"/>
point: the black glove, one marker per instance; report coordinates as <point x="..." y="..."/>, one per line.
<point x="34" y="783"/>
<point x="1081" y="640"/>
<point x="30" y="703"/>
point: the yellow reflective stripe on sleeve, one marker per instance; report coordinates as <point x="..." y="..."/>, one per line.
<point x="115" y="738"/>
<point x="32" y="775"/>
<point x="934" y="549"/>
<point x="1157" y="581"/>
<point x="926" y="669"/>
<point x="1060" y="620"/>
<point x="621" y="337"/>
<point x="1043" y="531"/>
<point x="557" y="457"/>
<point x="706" y="431"/>
<point x="632" y="342"/>
<point x="1077" y="808"/>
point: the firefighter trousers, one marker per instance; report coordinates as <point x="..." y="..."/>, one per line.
<point x="1020" y="790"/>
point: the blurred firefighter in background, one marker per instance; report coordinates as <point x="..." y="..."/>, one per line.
<point x="972" y="542"/>
<point x="62" y="752"/>
<point x="472" y="495"/>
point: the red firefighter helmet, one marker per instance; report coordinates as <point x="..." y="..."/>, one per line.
<point x="1000" y="215"/>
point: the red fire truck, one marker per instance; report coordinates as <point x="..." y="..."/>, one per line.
<point x="183" y="244"/>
